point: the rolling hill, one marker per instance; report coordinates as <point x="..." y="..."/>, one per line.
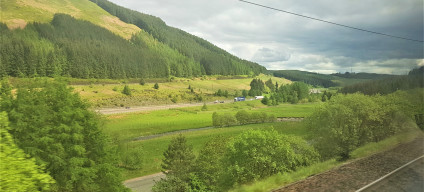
<point x="18" y="13"/>
<point x="81" y="39"/>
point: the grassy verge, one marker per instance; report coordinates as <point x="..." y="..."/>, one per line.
<point x="279" y="180"/>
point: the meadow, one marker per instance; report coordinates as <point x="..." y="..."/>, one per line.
<point x="124" y="127"/>
<point x="153" y="149"/>
<point x="108" y="93"/>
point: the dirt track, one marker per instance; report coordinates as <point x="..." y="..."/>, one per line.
<point x="116" y="110"/>
<point x="353" y="176"/>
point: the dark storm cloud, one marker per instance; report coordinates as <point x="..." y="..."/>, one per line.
<point x="281" y="41"/>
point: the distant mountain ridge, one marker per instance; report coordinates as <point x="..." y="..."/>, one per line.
<point x="77" y="38"/>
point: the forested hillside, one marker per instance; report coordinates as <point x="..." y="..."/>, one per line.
<point x="415" y="79"/>
<point x="362" y="75"/>
<point x="306" y="77"/>
<point x="213" y="59"/>
<point x="67" y="46"/>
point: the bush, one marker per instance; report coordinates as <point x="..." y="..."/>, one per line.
<point x="170" y="183"/>
<point x="223" y="120"/>
<point x="126" y="90"/>
<point x="142" y="81"/>
<point x="258" y="154"/>
<point x="156" y="86"/>
<point x="348" y="121"/>
<point x="243" y="117"/>
<point x="204" y="107"/>
<point x="131" y="159"/>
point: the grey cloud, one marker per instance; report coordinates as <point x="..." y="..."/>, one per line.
<point x="269" y="55"/>
<point x="255" y="33"/>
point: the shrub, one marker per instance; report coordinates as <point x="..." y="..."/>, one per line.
<point x="142" y="81"/>
<point x="126" y="90"/>
<point x="348" y="121"/>
<point x="223" y="120"/>
<point x="258" y="154"/>
<point x="204" y="107"/>
<point x="243" y="117"/>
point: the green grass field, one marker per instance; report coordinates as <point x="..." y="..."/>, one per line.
<point x="153" y="149"/>
<point x="124" y="127"/>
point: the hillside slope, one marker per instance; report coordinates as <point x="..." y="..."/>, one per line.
<point x="69" y="38"/>
<point x="18" y="13"/>
<point x="213" y="59"/>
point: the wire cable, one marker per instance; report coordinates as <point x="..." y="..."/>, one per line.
<point x="329" y="22"/>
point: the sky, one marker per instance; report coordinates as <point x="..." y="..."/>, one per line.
<point x="281" y="41"/>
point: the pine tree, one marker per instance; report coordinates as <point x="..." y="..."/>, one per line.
<point x="18" y="172"/>
<point x="142" y="81"/>
<point x="126" y="90"/>
<point x="179" y="158"/>
<point x="56" y="127"/>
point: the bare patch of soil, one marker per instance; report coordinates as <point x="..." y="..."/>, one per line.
<point x="352" y="176"/>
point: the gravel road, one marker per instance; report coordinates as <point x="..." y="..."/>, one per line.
<point x="143" y="184"/>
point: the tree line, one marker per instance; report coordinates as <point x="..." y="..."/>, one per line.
<point x="289" y="93"/>
<point x="311" y="78"/>
<point x="241" y="118"/>
<point x="414" y="79"/>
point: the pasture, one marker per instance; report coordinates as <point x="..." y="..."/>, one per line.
<point x="153" y="149"/>
<point x="108" y="93"/>
<point x="124" y="127"/>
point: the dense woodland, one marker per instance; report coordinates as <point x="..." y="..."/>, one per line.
<point x="76" y="48"/>
<point x="415" y="79"/>
<point x="306" y="77"/>
<point x="213" y="59"/>
<point x="362" y="75"/>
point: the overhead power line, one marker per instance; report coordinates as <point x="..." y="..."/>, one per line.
<point x="329" y="22"/>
